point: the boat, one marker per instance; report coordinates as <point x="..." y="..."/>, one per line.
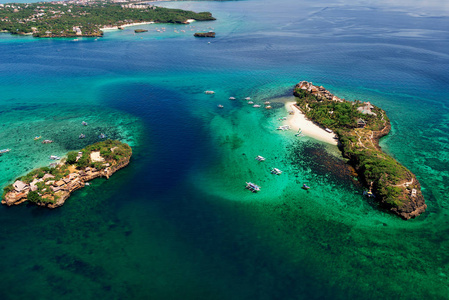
<point x="220" y="106"/>
<point x="252" y="187"/>
<point x="231" y="98"/>
<point x="283" y="127"/>
<point x="282" y="119"/>
<point x="86" y="183"/>
<point x="248" y="98"/>
<point x="276" y="171"/>
<point x="305" y="186"/>
<point x="102" y="136"/>
<point x="84" y="123"/>
<point x="37" y="137"/>
<point x="209" y="92"/>
<point x="54" y="157"/>
<point x="250" y="102"/>
<point x="299" y="133"/>
<point x="256" y="105"/>
<point x="47" y="141"/>
<point x="266" y="102"/>
<point x="82" y="136"/>
<point x="328" y="130"/>
<point x="268" y="107"/>
<point x="368" y="194"/>
<point x="260" y="158"/>
<point x="4" y="151"/>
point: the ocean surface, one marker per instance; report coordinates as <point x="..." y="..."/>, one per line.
<point x="177" y="223"/>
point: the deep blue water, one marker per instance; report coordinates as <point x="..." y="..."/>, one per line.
<point x="177" y="222"/>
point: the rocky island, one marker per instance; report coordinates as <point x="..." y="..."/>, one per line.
<point x="50" y="187"/>
<point x="359" y="126"/>
<point x="86" y="18"/>
<point x="205" y="34"/>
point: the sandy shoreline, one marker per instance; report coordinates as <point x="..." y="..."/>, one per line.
<point x="126" y="25"/>
<point x="298" y="120"/>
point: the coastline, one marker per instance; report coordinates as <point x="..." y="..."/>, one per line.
<point x="298" y="120"/>
<point x="126" y="25"/>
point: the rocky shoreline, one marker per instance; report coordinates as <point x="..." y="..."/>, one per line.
<point x="359" y="127"/>
<point x="51" y="187"/>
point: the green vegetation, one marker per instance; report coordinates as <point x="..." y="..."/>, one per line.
<point x="359" y="143"/>
<point x="56" y="19"/>
<point x="113" y="152"/>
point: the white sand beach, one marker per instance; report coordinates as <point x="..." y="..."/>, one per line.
<point x="125" y="25"/>
<point x="298" y="120"/>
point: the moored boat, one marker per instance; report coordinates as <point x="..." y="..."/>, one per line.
<point x="220" y="106"/>
<point x="54" y="157"/>
<point x="47" y="141"/>
<point x="84" y="123"/>
<point x="305" y="186"/>
<point x="268" y="107"/>
<point x="248" y="98"/>
<point x="276" y="171"/>
<point x="260" y="158"/>
<point x="256" y="105"/>
<point x="209" y="92"/>
<point x="252" y="187"/>
<point x="4" y="151"/>
<point x="250" y="102"/>
<point x="231" y="98"/>
<point x="37" y="137"/>
<point x="82" y="136"/>
<point x="102" y="136"/>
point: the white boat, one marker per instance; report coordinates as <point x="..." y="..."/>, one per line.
<point x="266" y="102"/>
<point x="220" y="106"/>
<point x="328" y="130"/>
<point x="268" y="107"/>
<point x="102" y="136"/>
<point x="54" y="157"/>
<point x="47" y="141"/>
<point x="248" y="98"/>
<point x="282" y="119"/>
<point x="209" y="92"/>
<point x="276" y="171"/>
<point x="84" y="123"/>
<point x="231" y="98"/>
<point x="260" y="158"/>
<point x="252" y="187"/>
<point x="82" y="136"/>
<point x="37" y="137"/>
<point x="283" y="127"/>
<point x="256" y="105"/>
<point x="250" y="102"/>
<point x="4" y="151"/>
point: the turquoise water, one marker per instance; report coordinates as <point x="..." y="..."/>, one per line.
<point x="177" y="222"/>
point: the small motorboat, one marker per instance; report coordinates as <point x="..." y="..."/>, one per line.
<point x="368" y="194"/>
<point x="54" y="157"/>
<point x="220" y="106"/>
<point x="4" y="151"/>
<point x="84" y="123"/>
<point x="268" y="107"/>
<point x="47" y="141"/>
<point x="231" y="98"/>
<point x="209" y="92"/>
<point x="102" y="136"/>
<point x="82" y="136"/>
<point x="250" y="102"/>
<point x="37" y="137"/>
<point x="248" y="98"/>
<point x="256" y="105"/>
<point x="305" y="186"/>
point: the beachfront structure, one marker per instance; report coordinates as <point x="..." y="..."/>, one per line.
<point x="20" y="186"/>
<point x="366" y="109"/>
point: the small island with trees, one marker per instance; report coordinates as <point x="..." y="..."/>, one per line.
<point x="51" y="186"/>
<point x="75" y="18"/>
<point x="359" y="126"/>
